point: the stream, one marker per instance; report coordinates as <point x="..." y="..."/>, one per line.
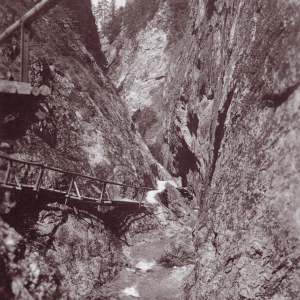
<point x="144" y="278"/>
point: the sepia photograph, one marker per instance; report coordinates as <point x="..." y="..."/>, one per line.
<point x="149" y="149"/>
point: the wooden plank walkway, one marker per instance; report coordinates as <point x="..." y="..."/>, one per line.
<point x="74" y="193"/>
<point x="23" y="88"/>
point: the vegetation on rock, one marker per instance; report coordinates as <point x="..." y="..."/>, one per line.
<point x="227" y="125"/>
<point x="83" y="126"/>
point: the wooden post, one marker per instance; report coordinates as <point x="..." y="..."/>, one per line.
<point x="69" y="191"/>
<point x="140" y="202"/>
<point x="25" y="52"/>
<point x="19" y="185"/>
<point x="75" y="210"/>
<point x="38" y="183"/>
<point x="102" y="194"/>
<point x="77" y="190"/>
<point x="7" y="172"/>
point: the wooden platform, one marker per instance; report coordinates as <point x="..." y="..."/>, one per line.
<point x="74" y="195"/>
<point x="57" y="194"/>
<point x="23" y="88"/>
<point x="15" y="87"/>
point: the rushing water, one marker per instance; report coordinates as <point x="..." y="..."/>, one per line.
<point x="145" y="279"/>
<point x="161" y="185"/>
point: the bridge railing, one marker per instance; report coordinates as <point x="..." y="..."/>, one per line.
<point x="74" y="186"/>
<point x="24" y="23"/>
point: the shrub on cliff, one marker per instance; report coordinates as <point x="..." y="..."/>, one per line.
<point x="113" y="27"/>
<point x="178" y="19"/>
<point x="137" y="14"/>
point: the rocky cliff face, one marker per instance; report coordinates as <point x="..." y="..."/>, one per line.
<point x="47" y="251"/>
<point x="138" y="69"/>
<point x="139" y="64"/>
<point x="230" y="130"/>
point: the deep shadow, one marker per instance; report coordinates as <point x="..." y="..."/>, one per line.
<point x="210" y="8"/>
<point x="17" y="113"/>
<point x="193" y="123"/>
<point x="25" y="214"/>
<point x="186" y="194"/>
<point x="5" y="282"/>
<point x="184" y="158"/>
<point x="275" y="100"/>
<point x="201" y="90"/>
<point x="86" y="26"/>
<point x="163" y="198"/>
<point x="219" y="133"/>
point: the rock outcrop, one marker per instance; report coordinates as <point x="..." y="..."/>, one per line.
<point x="230" y="130"/>
<point x="139" y="64"/>
<point x="47" y="251"/>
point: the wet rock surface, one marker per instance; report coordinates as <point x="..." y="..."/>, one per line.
<point x="230" y="132"/>
<point x="84" y="127"/>
<point x="223" y="119"/>
<point x="159" y="256"/>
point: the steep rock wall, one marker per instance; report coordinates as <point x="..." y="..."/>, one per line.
<point x="230" y="131"/>
<point x="47" y="251"/>
<point x="138" y="64"/>
<point x="138" y="67"/>
<point x="237" y="116"/>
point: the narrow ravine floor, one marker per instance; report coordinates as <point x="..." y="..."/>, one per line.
<point x="145" y="278"/>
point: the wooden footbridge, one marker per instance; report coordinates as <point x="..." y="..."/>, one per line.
<point x="76" y="189"/>
<point x="40" y="179"/>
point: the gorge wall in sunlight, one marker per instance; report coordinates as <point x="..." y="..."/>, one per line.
<point x="223" y="104"/>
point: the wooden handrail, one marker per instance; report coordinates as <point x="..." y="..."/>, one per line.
<point x="71" y="173"/>
<point x="24" y="23"/>
<point x="38" y="10"/>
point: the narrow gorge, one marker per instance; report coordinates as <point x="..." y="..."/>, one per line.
<point x="198" y="101"/>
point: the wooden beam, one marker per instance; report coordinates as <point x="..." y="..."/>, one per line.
<point x="41" y="8"/>
<point x="45" y="90"/>
<point x="38" y="183"/>
<point x="9" y="163"/>
<point x="77" y="190"/>
<point x="25" y="52"/>
<point x="15" y="87"/>
<point x="69" y="191"/>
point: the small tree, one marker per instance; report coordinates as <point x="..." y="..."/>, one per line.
<point x="137" y="14"/>
<point x="114" y="26"/>
<point x="179" y="17"/>
<point x="101" y="12"/>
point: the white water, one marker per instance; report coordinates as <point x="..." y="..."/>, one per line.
<point x="144" y="266"/>
<point x="131" y="291"/>
<point x="145" y="278"/>
<point x="161" y="185"/>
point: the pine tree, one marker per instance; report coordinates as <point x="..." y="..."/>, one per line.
<point x="112" y="9"/>
<point x="115" y="23"/>
<point x="102" y="13"/>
